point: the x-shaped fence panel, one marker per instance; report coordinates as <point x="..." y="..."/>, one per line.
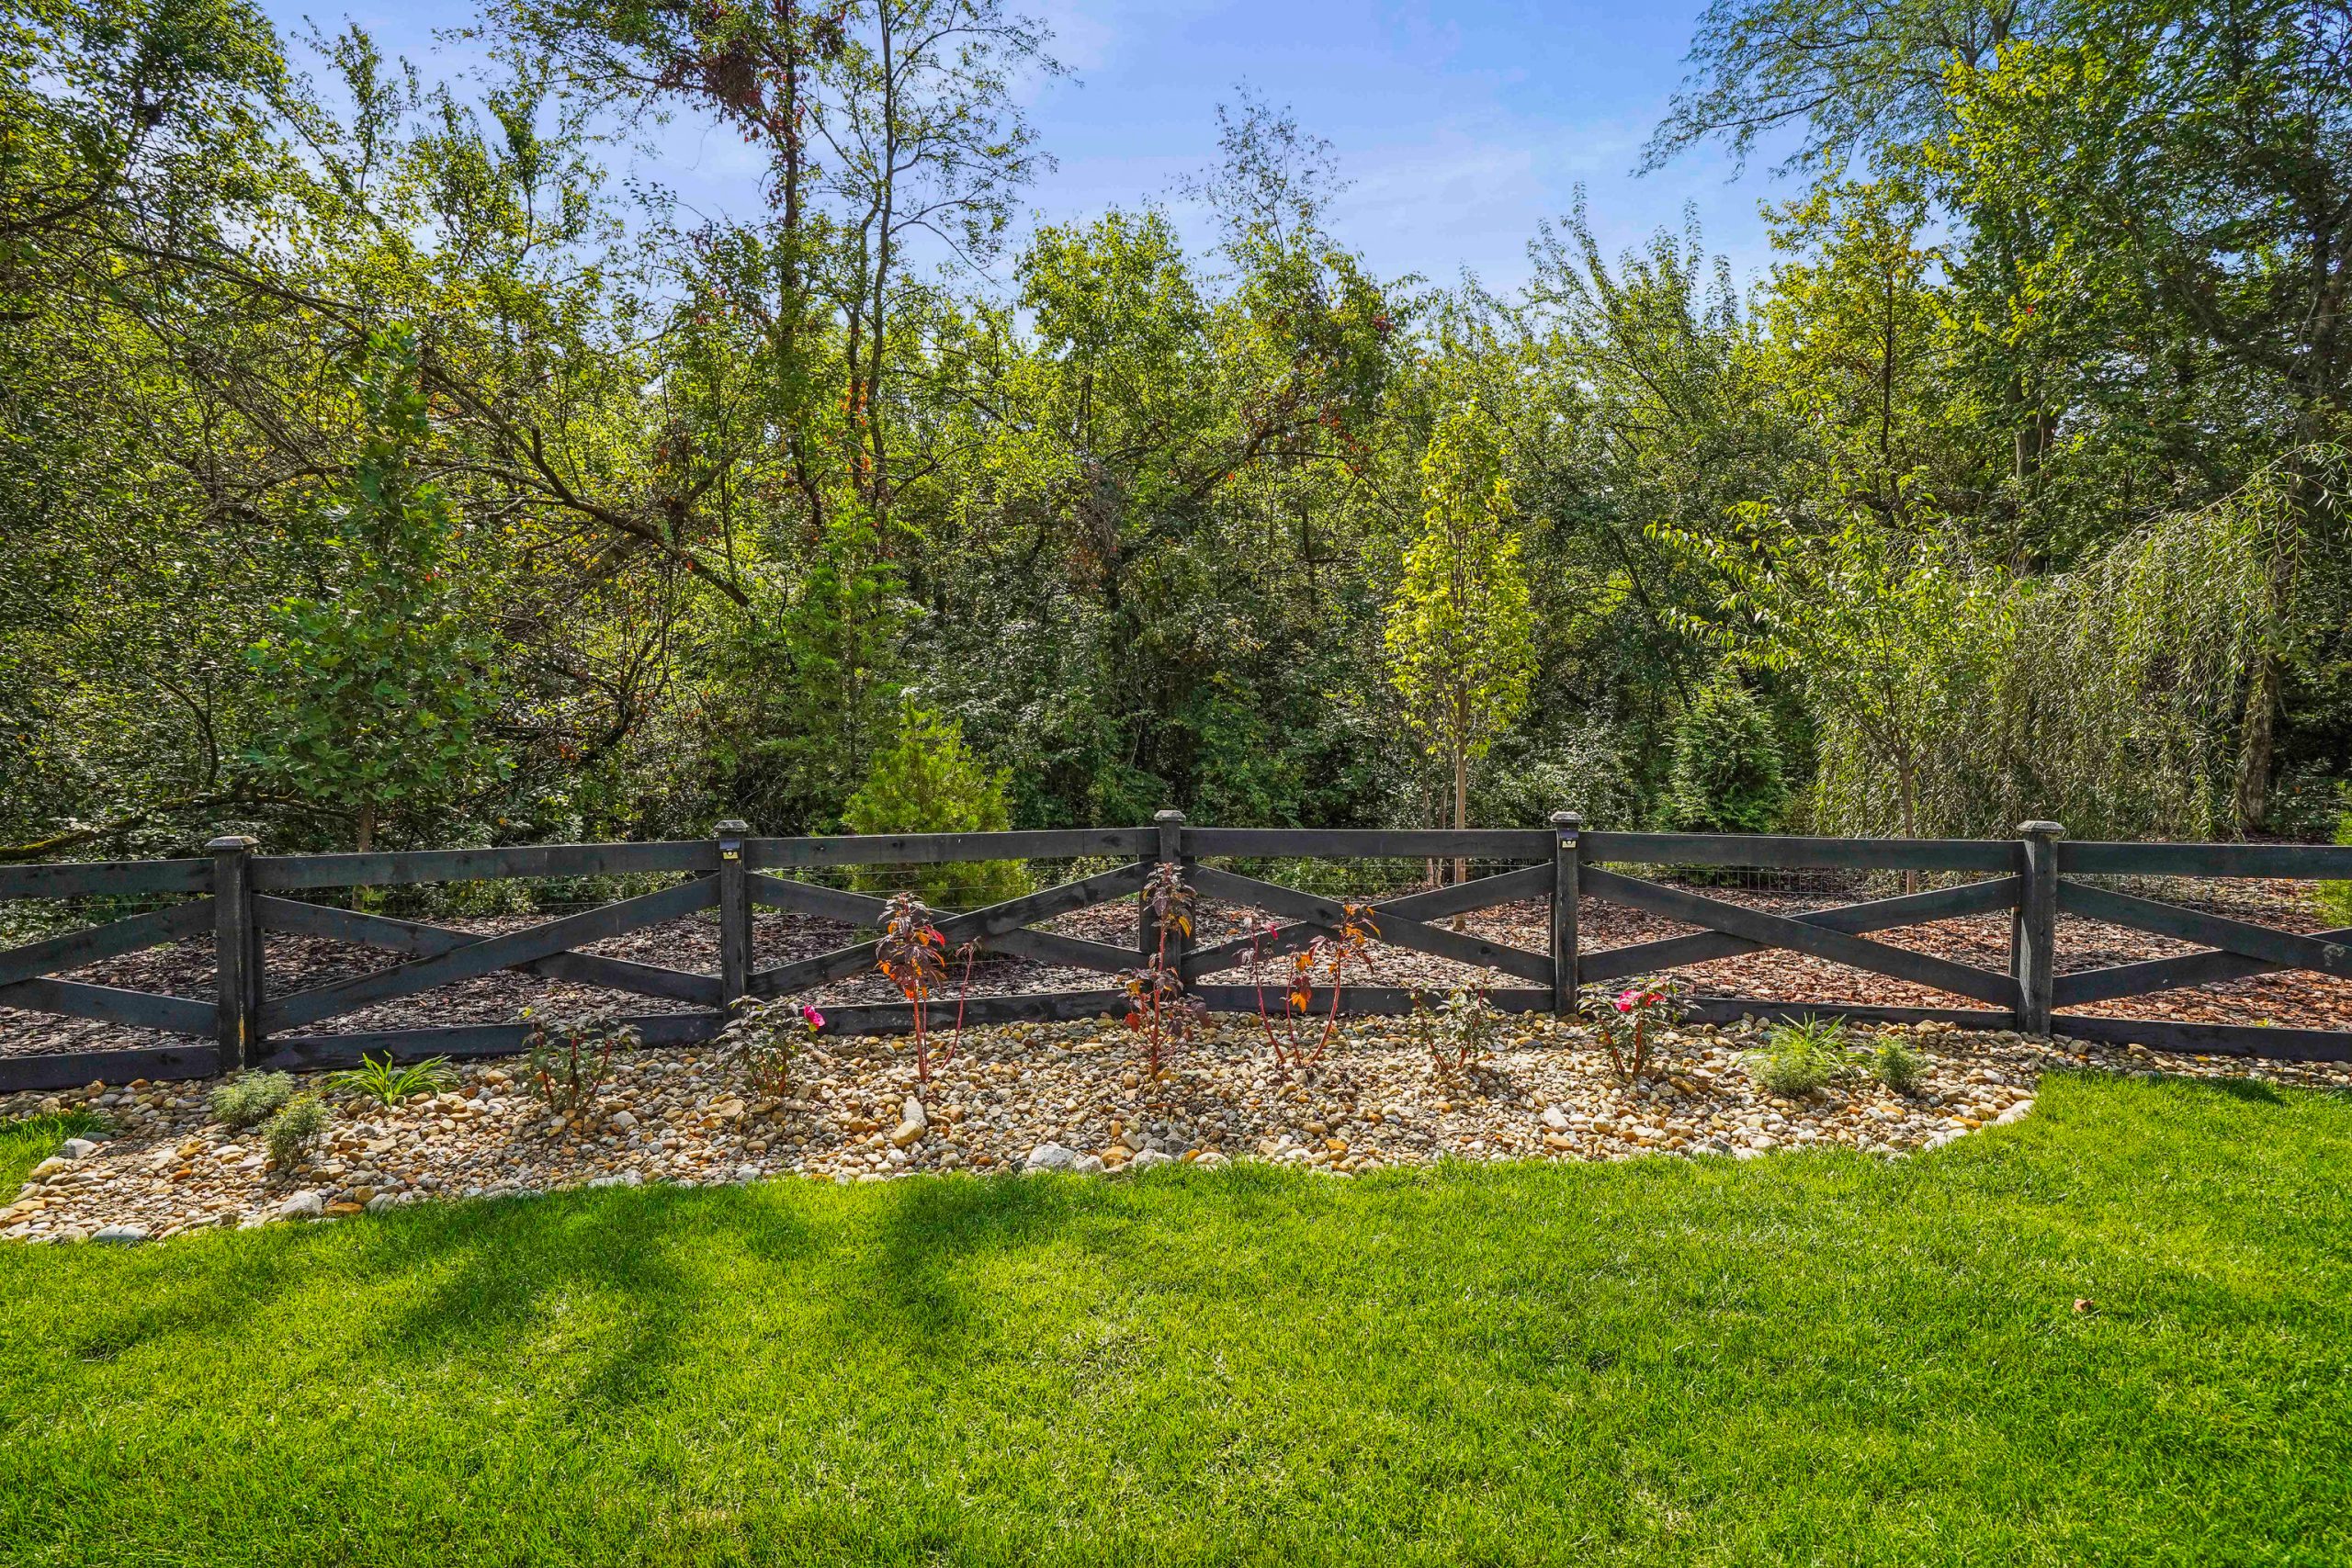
<point x="25" y="972"/>
<point x="28" y="972"/>
<point x="458" y="955"/>
<point x="1828" y="934"/>
<point x="421" y="941"/>
<point x="2239" y="949"/>
<point x="1400" y="922"/>
<point x="998" y="926"/>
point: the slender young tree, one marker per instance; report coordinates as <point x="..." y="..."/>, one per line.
<point x="1460" y="637"/>
<point x="377" y="689"/>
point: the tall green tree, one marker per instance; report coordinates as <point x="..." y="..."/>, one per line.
<point x="1459" y="635"/>
<point x="379" y="691"/>
<point x="2196" y="161"/>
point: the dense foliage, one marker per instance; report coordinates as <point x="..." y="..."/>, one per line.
<point x="379" y="468"/>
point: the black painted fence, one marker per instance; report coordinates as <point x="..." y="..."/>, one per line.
<point x="238" y="896"/>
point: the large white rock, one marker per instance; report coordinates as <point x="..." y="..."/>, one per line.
<point x="304" y="1205"/>
<point x="1051" y="1157"/>
<point x="77" y="1148"/>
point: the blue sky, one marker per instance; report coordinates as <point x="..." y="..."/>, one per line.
<point x="1461" y="124"/>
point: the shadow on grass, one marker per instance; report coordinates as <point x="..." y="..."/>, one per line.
<point x="2246" y="1090"/>
<point x="932" y="1244"/>
<point x="623" y="1278"/>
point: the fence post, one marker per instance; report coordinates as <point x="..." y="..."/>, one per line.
<point x="734" y="916"/>
<point x="1566" y="826"/>
<point x="1170" y="853"/>
<point x="236" y="951"/>
<point x="2033" y="931"/>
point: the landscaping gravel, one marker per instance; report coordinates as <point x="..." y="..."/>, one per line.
<point x="1071" y="1096"/>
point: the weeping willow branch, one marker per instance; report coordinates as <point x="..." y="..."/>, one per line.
<point x="2128" y="697"/>
<point x="2122" y="697"/>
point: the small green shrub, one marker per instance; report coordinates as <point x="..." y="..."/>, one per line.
<point x="927" y="782"/>
<point x="295" y="1129"/>
<point x="1802" y="1056"/>
<point x="1726" y="775"/>
<point x="1897" y="1066"/>
<point x="2335" y="897"/>
<point x="389" y="1085"/>
<point x="250" y="1098"/>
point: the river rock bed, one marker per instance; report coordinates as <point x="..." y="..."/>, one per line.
<point x="1067" y="1096"/>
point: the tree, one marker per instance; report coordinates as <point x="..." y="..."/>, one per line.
<point x="2196" y="164"/>
<point x="1727" y="773"/>
<point x="1841" y="75"/>
<point x="927" y="782"/>
<point x="1460" y="639"/>
<point x="1887" y="633"/>
<point x="378" y="690"/>
<point x="1856" y="341"/>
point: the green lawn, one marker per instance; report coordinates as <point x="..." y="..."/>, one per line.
<point x="1806" y="1358"/>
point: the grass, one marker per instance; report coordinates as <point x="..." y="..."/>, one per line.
<point x="1803" y="1358"/>
<point x="29" y="1140"/>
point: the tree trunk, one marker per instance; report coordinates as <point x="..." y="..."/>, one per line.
<point x="2306" y="499"/>
<point x="1907" y="781"/>
<point x="363" y="835"/>
<point x="1461" y="815"/>
<point x="2261" y="738"/>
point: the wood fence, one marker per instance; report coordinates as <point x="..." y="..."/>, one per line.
<point x="238" y="896"/>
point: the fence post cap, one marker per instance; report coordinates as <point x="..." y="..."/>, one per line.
<point x="1169" y="816"/>
<point x="227" y="842"/>
<point x="2041" y="829"/>
<point x="1566" y="819"/>
<point x="732" y="829"/>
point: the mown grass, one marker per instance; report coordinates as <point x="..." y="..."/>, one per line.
<point x="1804" y="1359"/>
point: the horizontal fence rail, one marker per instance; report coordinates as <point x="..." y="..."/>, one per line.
<point x="239" y="896"/>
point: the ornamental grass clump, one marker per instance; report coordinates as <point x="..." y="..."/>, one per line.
<point x="295" y="1130"/>
<point x="387" y="1084"/>
<point x="1802" y="1056"/>
<point x="250" y="1098"/>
